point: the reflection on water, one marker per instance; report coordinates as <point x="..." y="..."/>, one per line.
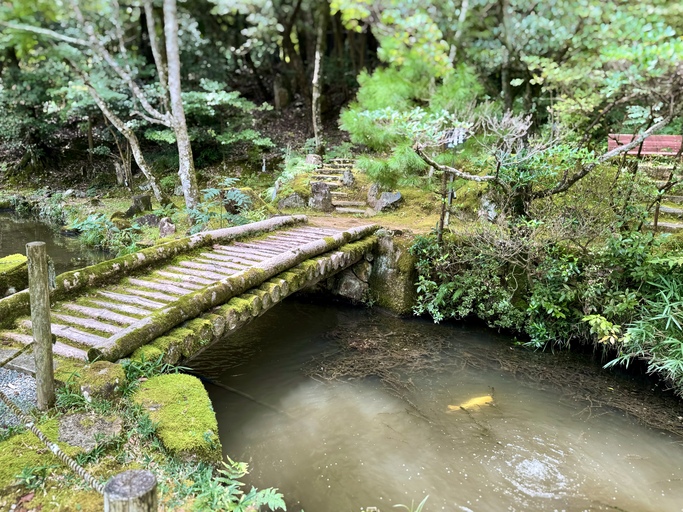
<point x="348" y="445"/>
<point x="67" y="253"/>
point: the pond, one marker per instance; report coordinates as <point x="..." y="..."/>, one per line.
<point x="66" y="252"/>
<point x="554" y="437"/>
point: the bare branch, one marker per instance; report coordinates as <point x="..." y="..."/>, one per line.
<point x="156" y="51"/>
<point x="451" y="170"/>
<point x="96" y="45"/>
<point x="565" y="184"/>
<point x="45" y="32"/>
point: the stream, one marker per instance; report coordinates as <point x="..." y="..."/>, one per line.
<point x="67" y="253"/>
<point x="349" y="445"/>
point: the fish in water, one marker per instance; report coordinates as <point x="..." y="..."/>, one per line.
<point x="472" y="403"/>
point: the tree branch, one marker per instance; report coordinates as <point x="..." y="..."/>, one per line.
<point x="95" y="44"/>
<point x="564" y="185"/>
<point x="45" y="32"/>
<point x="156" y="51"/>
<point x="451" y="170"/>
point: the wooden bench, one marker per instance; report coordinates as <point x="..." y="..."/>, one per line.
<point x="654" y="145"/>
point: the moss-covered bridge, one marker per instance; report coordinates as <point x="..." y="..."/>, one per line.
<point x="173" y="299"/>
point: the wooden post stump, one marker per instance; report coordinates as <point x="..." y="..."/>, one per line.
<point x="39" y="293"/>
<point x="131" y="491"/>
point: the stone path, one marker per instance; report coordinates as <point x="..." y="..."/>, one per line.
<point x="93" y="319"/>
<point x="338" y="174"/>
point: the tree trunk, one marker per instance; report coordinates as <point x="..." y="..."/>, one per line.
<point x="316" y="98"/>
<point x="186" y="172"/>
<point x="134" y="145"/>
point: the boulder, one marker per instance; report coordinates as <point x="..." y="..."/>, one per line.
<point x="141" y="203"/>
<point x="347" y="178"/>
<point x="321" y="198"/>
<point x="350" y="286"/>
<point x="487" y="209"/>
<point x="388" y="201"/>
<point x="148" y="220"/>
<point x="314" y="159"/>
<point x="166" y="227"/>
<point x="87" y="429"/>
<point x="292" y="201"/>
<point x="373" y="192"/>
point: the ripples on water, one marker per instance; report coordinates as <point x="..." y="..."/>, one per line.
<point x="350" y="445"/>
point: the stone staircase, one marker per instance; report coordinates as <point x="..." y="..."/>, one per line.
<point x="669" y="207"/>
<point x="339" y="176"/>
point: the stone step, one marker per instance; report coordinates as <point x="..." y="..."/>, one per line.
<point x="327" y="170"/>
<point x="349" y="203"/>
<point x="339" y="194"/>
<point x="678" y="212"/>
<point x="326" y="177"/>
<point x="349" y="210"/>
<point x="58" y="348"/>
<point x="669" y="227"/>
<point x="674" y="199"/>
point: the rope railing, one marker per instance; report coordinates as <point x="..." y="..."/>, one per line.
<point x="56" y="450"/>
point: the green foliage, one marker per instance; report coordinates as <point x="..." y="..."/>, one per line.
<point x="33" y="477"/>
<point x="623" y="294"/>
<point x="97" y="230"/>
<point x="412" y="507"/>
<point x="142" y="368"/>
<point x="224" y="492"/>
<point x="224" y="204"/>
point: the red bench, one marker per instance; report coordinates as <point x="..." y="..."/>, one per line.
<point x="654" y="145"/>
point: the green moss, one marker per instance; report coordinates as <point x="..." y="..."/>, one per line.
<point x="26" y="450"/>
<point x="13" y="273"/>
<point x="240" y="306"/>
<point x="329" y="240"/>
<point x="148" y="353"/>
<point x="187" y="424"/>
<point x="100" y="379"/>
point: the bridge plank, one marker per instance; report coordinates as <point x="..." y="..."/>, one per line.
<point x="132" y="299"/>
<point x="256" y="247"/>
<point x="280" y="246"/>
<point x="88" y="323"/>
<point x="236" y="263"/>
<point x="213" y="276"/>
<point x="103" y="314"/>
<point x="247" y="253"/>
<point x="206" y="267"/>
<point x="152" y="285"/>
<point x="185" y="277"/>
<point x="73" y="334"/>
<point x="126" y="308"/>
<point x="59" y="348"/>
<point x="236" y="267"/>
<point x="183" y="284"/>
<point x="155" y="295"/>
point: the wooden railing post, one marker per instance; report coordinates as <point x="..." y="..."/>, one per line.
<point x="39" y="293"/>
<point x="131" y="491"/>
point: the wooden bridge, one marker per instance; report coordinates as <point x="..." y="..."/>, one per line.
<point x="179" y="297"/>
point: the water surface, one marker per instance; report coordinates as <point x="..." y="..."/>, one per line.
<point x="66" y="252"/>
<point x="346" y="446"/>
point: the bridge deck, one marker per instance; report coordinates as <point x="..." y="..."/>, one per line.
<point x="97" y="317"/>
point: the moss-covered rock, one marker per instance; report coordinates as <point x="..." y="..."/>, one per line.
<point x="181" y="407"/>
<point x="13" y="274"/>
<point x="392" y="281"/>
<point x="100" y="379"/>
